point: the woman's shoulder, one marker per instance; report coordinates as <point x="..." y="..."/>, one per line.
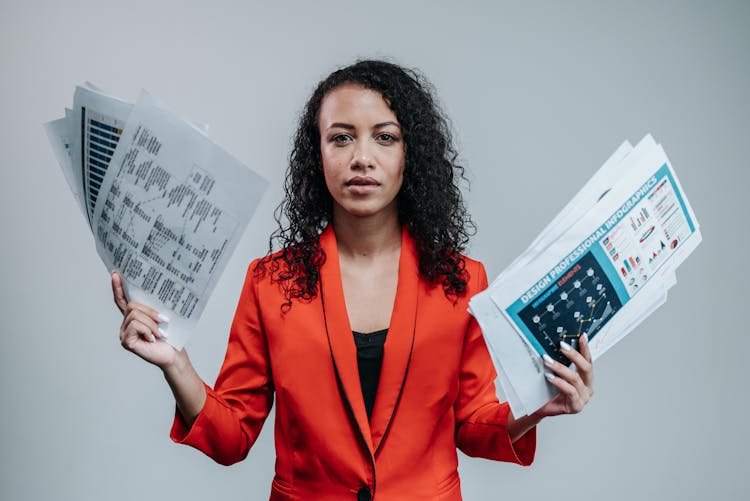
<point x="269" y="264"/>
<point x="471" y="262"/>
<point x="284" y="268"/>
<point x="477" y="275"/>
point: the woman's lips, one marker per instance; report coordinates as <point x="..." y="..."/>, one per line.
<point x="361" y="185"/>
<point x="362" y="181"/>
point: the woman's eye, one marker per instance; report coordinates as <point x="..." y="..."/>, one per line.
<point x="341" y="138"/>
<point x="386" y="137"/>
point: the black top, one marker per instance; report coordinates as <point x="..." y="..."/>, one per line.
<point x="369" y="360"/>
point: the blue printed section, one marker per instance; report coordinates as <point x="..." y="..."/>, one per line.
<point x="666" y="171"/>
<point x="584" y="290"/>
<point x="583" y="300"/>
<point x="611" y="273"/>
<point x="545" y="296"/>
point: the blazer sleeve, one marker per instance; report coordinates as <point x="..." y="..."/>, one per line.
<point x="236" y="408"/>
<point x="481" y="420"/>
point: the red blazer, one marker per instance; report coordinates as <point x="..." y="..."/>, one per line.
<point x="436" y="392"/>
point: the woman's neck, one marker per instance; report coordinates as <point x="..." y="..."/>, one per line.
<point x="367" y="237"/>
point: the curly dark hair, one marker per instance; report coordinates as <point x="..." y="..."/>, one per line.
<point x="429" y="202"/>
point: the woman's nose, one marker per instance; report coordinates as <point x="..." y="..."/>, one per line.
<point x="362" y="157"/>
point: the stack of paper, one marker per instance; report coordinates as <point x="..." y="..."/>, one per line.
<point x="165" y="204"/>
<point x="600" y="267"/>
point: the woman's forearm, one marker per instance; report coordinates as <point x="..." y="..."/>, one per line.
<point x="518" y="427"/>
<point x="187" y="387"/>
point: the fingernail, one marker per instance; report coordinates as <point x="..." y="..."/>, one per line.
<point x="565" y="346"/>
<point x="163" y="318"/>
<point x="548" y="360"/>
<point x="151" y="338"/>
<point x="162" y="333"/>
<point x="549" y="376"/>
<point x="585" y="337"/>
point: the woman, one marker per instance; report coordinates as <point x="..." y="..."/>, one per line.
<point x="371" y="254"/>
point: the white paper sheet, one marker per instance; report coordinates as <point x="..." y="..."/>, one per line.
<point x="61" y="137"/>
<point x="166" y="205"/>
<point x="98" y="120"/>
<point x="602" y="266"/>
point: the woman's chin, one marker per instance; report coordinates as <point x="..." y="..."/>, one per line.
<point x="367" y="209"/>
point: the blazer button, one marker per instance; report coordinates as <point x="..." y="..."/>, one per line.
<point x="364" y="494"/>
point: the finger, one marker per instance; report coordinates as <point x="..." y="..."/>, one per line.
<point x="574" y="402"/>
<point x="134" y="332"/>
<point x="118" y="292"/>
<point x="583" y="366"/>
<point x="143" y="318"/>
<point x="147" y="310"/>
<point x="567" y="374"/>
<point x="584" y="348"/>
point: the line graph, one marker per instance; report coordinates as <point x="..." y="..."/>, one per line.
<point x="582" y="301"/>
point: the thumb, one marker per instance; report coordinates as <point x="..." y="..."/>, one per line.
<point x="118" y="292"/>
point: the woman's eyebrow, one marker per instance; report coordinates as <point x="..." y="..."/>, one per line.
<point x="346" y="126"/>
<point x="386" y="124"/>
<point x="340" y="125"/>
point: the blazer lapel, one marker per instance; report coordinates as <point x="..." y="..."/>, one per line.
<point x="398" y="344"/>
<point x="340" y="337"/>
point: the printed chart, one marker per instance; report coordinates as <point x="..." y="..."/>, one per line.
<point x="581" y="301"/>
<point x="101" y="135"/>
<point x="165" y="235"/>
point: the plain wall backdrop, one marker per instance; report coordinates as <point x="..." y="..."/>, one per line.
<point x="539" y="93"/>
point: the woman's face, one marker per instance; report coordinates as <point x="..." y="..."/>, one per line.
<point x="362" y="150"/>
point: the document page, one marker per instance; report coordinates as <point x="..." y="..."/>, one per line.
<point x="61" y="136"/>
<point x="166" y="205"/>
<point x="101" y="119"/>
<point x="600" y="275"/>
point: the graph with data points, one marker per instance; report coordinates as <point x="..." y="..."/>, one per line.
<point x="582" y="301"/>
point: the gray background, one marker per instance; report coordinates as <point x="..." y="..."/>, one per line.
<point x="539" y="93"/>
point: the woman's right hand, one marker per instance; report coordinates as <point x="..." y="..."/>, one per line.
<point x="139" y="331"/>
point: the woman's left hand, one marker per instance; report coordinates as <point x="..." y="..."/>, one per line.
<point x="576" y="386"/>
